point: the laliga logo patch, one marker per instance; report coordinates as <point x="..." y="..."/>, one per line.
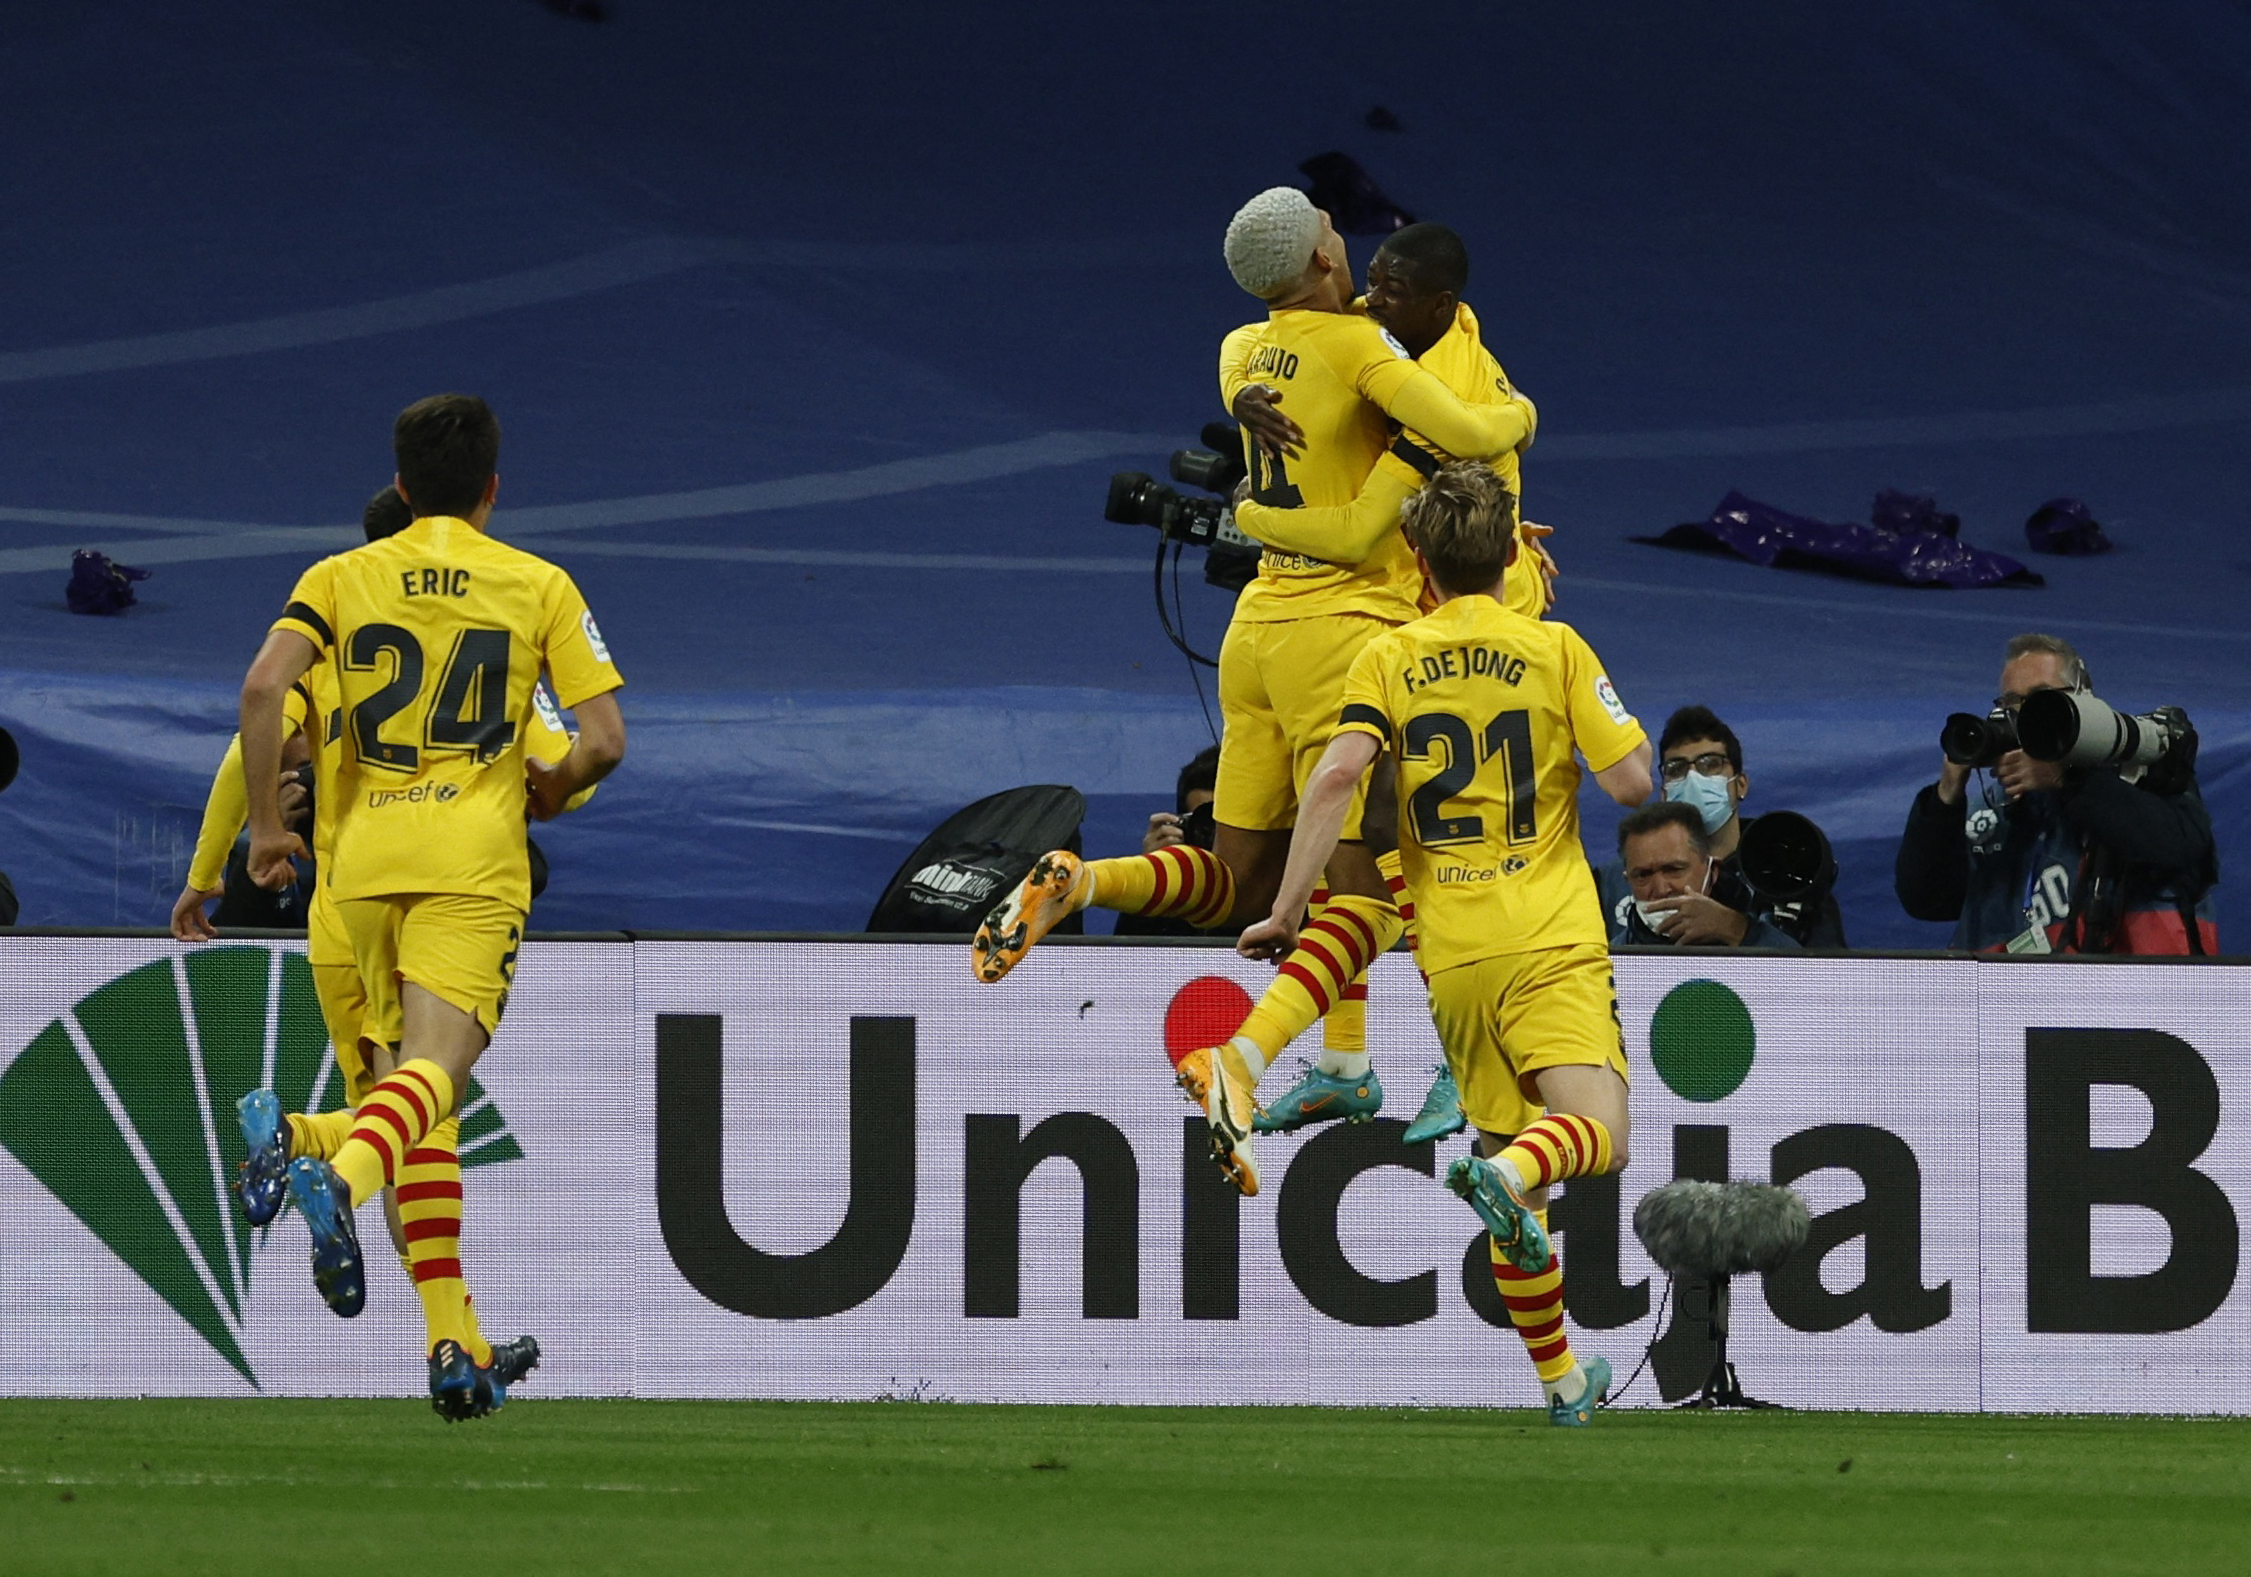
<point x="594" y="636"/>
<point x="549" y="713"/>
<point x="1609" y="699"/>
<point x="1397" y="349"/>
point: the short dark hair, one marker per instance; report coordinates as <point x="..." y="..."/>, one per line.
<point x="1661" y="814"/>
<point x="1433" y="252"/>
<point x="1700" y="722"/>
<point x="386" y="515"/>
<point x="448" y="447"/>
<point x="1201" y="773"/>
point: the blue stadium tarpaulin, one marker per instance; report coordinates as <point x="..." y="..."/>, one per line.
<point x="814" y="360"/>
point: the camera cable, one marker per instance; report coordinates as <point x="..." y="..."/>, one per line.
<point x="1174" y="621"/>
<point x="1657" y="1333"/>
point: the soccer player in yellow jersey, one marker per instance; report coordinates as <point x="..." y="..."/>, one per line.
<point x="427" y="1229"/>
<point x="438" y="636"/>
<point x="1415" y="284"/>
<point x="1294" y="633"/>
<point x="1483" y="709"/>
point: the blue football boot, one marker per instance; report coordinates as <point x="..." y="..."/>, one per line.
<point x="511" y="1361"/>
<point x="1442" y="1111"/>
<point x="1322" y="1098"/>
<point x="457" y="1390"/>
<point x="1517" y="1232"/>
<point x="325" y="1201"/>
<point x="1579" y="1414"/>
<point x="262" y="1182"/>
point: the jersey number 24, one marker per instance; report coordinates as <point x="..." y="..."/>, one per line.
<point x="468" y="715"/>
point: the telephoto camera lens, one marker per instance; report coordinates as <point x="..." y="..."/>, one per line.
<point x="2078" y="731"/>
<point x="1786" y="857"/>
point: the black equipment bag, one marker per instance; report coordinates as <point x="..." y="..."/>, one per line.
<point x="976" y="858"/>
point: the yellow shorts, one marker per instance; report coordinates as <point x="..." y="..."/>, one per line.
<point x="459" y="947"/>
<point x="1281" y="687"/>
<point x="342" y="995"/>
<point x="343" y="1007"/>
<point x="1502" y="1019"/>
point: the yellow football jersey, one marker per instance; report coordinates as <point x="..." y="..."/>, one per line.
<point x="313" y="707"/>
<point x="1469" y="371"/>
<point x="1483" y="707"/>
<point x="1461" y="361"/>
<point x="438" y="636"/>
<point x="1342" y="378"/>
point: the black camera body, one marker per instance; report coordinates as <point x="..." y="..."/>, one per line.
<point x="1973" y="741"/>
<point x="1138" y="499"/>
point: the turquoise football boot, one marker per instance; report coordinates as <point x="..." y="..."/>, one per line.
<point x="263" y="1182"/>
<point x="325" y="1201"/>
<point x="1567" y="1415"/>
<point x="1442" y="1111"/>
<point x="1517" y="1232"/>
<point x="1322" y="1098"/>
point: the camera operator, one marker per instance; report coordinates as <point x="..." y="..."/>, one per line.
<point x="1700" y="762"/>
<point x="2037" y="856"/>
<point x="1189" y="822"/>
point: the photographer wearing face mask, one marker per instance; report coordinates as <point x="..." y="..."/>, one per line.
<point x="2037" y="856"/>
<point x="1700" y="762"/>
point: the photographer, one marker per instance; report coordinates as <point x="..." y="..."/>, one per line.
<point x="1675" y="892"/>
<point x="1700" y="762"/>
<point x="1189" y="822"/>
<point x="2039" y="856"/>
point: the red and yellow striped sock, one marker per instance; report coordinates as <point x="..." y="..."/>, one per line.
<point x="1344" y="1033"/>
<point x="430" y="1211"/>
<point x="1560" y="1145"/>
<point x="1333" y="952"/>
<point x="1395" y="878"/>
<point x="396" y="1116"/>
<point x="1179" y="882"/>
<point x="1535" y="1308"/>
<point x="319" y="1134"/>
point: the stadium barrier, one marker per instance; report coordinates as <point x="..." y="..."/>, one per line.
<point x="843" y="1169"/>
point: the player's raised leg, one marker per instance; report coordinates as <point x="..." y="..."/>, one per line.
<point x="1180" y="882"/>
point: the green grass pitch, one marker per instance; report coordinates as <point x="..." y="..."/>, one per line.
<point x="690" y="1487"/>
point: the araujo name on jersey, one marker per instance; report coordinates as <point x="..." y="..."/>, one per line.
<point x="2066" y="1176"/>
<point x="1458" y="662"/>
<point x="429" y="581"/>
<point x="1274" y="359"/>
